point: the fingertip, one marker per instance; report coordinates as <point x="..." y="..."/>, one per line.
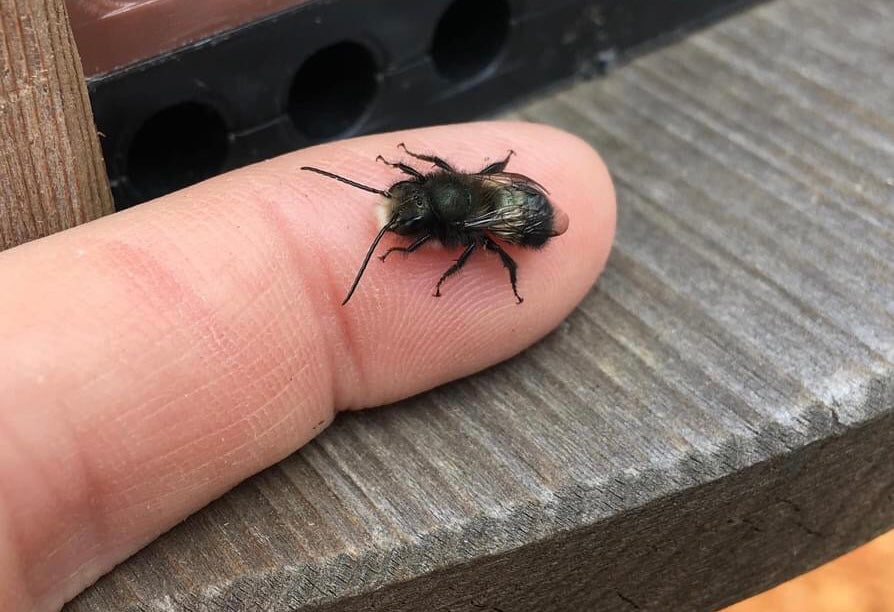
<point x="477" y="321"/>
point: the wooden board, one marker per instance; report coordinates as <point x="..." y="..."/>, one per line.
<point x="716" y="417"/>
<point x="52" y="176"/>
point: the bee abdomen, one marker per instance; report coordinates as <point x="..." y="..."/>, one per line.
<point x="523" y="217"/>
<point x="538" y="224"/>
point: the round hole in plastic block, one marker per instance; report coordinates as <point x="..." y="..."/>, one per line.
<point x="332" y="89"/>
<point x="176" y="147"/>
<point x="470" y="36"/>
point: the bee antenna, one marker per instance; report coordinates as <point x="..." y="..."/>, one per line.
<point x="369" y="254"/>
<point x="348" y="181"/>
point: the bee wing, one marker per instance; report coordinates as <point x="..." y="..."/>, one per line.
<point x="496" y="219"/>
<point x="526" y="183"/>
<point x="512" y="222"/>
<point x="516" y="180"/>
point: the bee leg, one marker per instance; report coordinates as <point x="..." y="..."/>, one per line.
<point x="440" y="163"/>
<point x="508" y="263"/>
<point x="416" y="244"/>
<point x="497" y="167"/>
<point x="407" y="169"/>
<point x="456" y="267"/>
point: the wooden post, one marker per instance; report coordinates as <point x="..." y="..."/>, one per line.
<point x="52" y="176"/>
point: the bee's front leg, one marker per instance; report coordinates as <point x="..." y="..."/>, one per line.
<point x="409" y="249"/>
<point x="404" y="167"/>
<point x="433" y="159"/>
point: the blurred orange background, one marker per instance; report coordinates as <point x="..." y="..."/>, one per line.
<point x="861" y="581"/>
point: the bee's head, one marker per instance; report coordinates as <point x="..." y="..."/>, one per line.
<point x="412" y="207"/>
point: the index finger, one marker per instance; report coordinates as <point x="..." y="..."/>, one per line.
<point x="155" y="358"/>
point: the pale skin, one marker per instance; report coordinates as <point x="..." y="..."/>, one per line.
<point x="155" y="358"/>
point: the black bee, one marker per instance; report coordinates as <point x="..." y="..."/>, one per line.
<point x="463" y="210"/>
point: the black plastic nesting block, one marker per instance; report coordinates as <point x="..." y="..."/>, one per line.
<point x="331" y="69"/>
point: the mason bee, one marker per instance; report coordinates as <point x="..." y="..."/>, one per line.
<point x="458" y="209"/>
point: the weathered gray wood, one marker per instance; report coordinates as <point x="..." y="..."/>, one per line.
<point x="718" y="415"/>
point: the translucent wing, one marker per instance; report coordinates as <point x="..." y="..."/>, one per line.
<point x="516" y="180"/>
<point x="518" y="210"/>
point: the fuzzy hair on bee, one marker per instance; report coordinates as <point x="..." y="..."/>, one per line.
<point x="457" y="209"/>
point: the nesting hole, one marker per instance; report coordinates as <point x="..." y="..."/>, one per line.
<point x="470" y="36"/>
<point x="176" y="147"/>
<point x="333" y="89"/>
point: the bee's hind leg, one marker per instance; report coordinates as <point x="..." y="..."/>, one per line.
<point x="456" y="267"/>
<point x="508" y="263"/>
<point x="497" y="167"/>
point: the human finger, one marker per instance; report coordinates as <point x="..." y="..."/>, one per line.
<point x="155" y="358"/>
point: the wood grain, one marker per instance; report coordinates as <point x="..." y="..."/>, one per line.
<point x="52" y="176"/>
<point x="716" y="417"/>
